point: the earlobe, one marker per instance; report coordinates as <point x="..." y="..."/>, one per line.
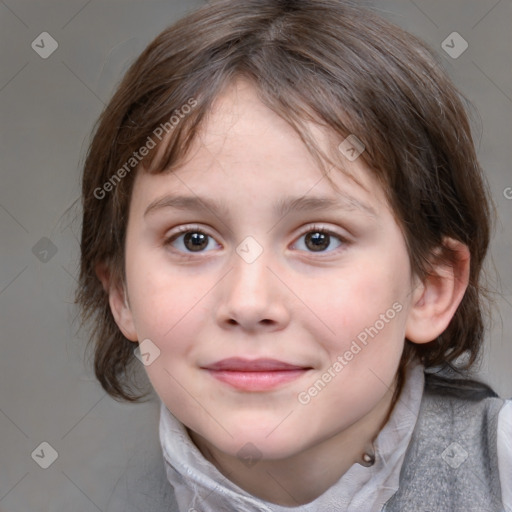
<point x="118" y="301"/>
<point x="437" y="297"/>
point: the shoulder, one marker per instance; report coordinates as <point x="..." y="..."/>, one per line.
<point x="465" y="410"/>
<point x="474" y="407"/>
<point x="452" y="462"/>
<point x="505" y="453"/>
<point x="460" y="404"/>
<point x="466" y="389"/>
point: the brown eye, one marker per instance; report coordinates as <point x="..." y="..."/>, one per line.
<point x="191" y="240"/>
<point x="195" y="241"/>
<point x="317" y="241"/>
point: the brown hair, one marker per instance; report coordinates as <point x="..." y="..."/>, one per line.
<point x="326" y="61"/>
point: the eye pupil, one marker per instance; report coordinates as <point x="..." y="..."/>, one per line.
<point x="319" y="241"/>
<point x="195" y="241"/>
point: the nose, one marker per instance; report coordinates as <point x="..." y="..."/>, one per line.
<point x="252" y="298"/>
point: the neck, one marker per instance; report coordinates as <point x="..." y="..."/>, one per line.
<point x="303" y="477"/>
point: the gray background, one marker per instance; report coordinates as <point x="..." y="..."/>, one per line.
<point x="48" y="107"/>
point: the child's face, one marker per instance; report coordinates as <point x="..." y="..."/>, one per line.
<point x="293" y="304"/>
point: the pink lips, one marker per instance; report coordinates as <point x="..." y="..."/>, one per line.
<point x="255" y="375"/>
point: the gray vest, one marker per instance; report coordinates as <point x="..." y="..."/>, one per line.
<point x="450" y="464"/>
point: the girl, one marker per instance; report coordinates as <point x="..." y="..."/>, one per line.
<point x="284" y="213"/>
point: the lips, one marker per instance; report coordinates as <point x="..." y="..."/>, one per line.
<point x="255" y="375"/>
<point x="237" y="364"/>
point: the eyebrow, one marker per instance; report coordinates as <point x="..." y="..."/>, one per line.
<point x="282" y="207"/>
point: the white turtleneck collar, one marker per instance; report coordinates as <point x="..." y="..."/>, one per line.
<point x="200" y="486"/>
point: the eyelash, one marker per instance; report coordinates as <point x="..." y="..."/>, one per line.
<point x="196" y="229"/>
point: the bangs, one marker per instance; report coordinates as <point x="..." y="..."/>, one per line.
<point x="175" y="134"/>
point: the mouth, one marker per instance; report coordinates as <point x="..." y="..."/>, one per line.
<point x="255" y="375"/>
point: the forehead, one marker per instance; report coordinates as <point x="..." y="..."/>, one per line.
<point x="244" y="144"/>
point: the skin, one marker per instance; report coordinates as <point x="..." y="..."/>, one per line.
<point x="292" y="303"/>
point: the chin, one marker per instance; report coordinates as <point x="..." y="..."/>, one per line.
<point x="248" y="444"/>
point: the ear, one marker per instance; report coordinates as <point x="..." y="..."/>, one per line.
<point x="436" y="299"/>
<point x="118" y="301"/>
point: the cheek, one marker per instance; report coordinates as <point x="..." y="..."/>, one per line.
<point x="165" y="302"/>
<point x="166" y="307"/>
<point x="355" y="300"/>
<point x="366" y="316"/>
<point x="170" y="310"/>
